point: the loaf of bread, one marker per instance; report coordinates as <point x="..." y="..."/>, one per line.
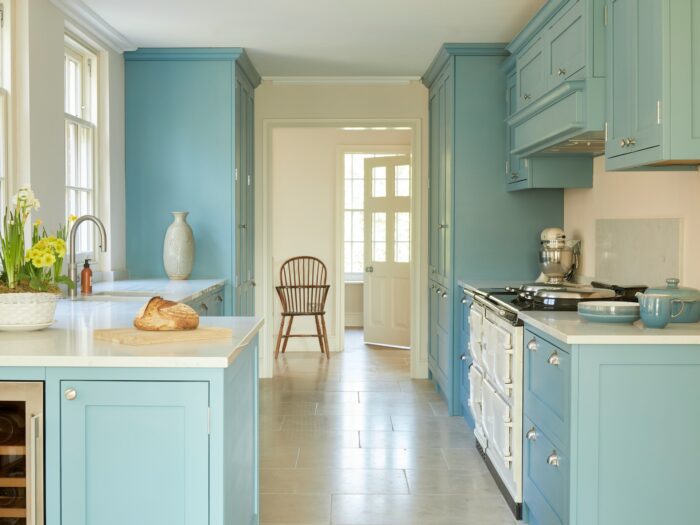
<point x="159" y="314"/>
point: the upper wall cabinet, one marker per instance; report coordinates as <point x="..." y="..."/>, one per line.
<point x="189" y="147"/>
<point x="560" y="67"/>
<point x="653" y="83"/>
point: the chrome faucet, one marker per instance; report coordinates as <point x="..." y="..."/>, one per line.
<point x="72" y="265"/>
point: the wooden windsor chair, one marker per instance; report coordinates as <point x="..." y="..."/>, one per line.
<point x="303" y="291"/>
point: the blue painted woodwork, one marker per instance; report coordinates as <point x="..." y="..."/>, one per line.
<point x="112" y="448"/>
<point x="653" y="83"/>
<point x="559" y="80"/>
<point x="146" y="441"/>
<point x="477" y="230"/>
<point x="189" y="146"/>
<point x="540" y="172"/>
<point x="621" y="420"/>
<point x="465" y="358"/>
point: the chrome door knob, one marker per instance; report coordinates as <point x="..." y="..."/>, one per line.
<point x="623" y="143"/>
<point x="463" y="357"/>
<point x="561" y="72"/>
<point x="527" y="96"/>
<point x="369" y="269"/>
<point x="444" y="295"/>
<point x="553" y="459"/>
<point x="438" y="291"/>
<point x="70" y="394"/>
<point x="532" y="345"/>
<point x="553" y="359"/>
<point x="531" y="434"/>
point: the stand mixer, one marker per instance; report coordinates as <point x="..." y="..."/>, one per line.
<point x="558" y="257"/>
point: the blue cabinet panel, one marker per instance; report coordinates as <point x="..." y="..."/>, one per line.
<point x="135" y="452"/>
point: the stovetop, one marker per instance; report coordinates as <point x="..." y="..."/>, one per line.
<point x="512" y="300"/>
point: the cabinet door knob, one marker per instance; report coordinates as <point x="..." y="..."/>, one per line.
<point x="532" y="345"/>
<point x="623" y="143"/>
<point x="513" y="174"/>
<point x="220" y="299"/>
<point x="70" y="394"/>
<point x="631" y="142"/>
<point x="444" y="295"/>
<point x="553" y="459"/>
<point x="527" y="96"/>
<point x="553" y="359"/>
<point x="561" y="72"/>
<point x="369" y="269"/>
<point x="438" y="291"/>
<point x="464" y="300"/>
<point x="203" y="307"/>
<point x="531" y="434"/>
<point x="463" y="357"/>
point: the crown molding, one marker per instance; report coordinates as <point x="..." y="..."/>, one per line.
<point x="346" y="81"/>
<point x="447" y="51"/>
<point x="80" y="13"/>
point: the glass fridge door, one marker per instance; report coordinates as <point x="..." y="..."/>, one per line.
<point x="21" y="453"/>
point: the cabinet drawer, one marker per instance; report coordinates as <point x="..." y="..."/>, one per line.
<point x="532" y="70"/>
<point x="547" y="386"/>
<point x="567" y="49"/>
<point x="211" y="305"/>
<point x="545" y="477"/>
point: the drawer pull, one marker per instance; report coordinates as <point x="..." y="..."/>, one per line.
<point x="532" y="345"/>
<point x="553" y="459"/>
<point x="220" y="299"/>
<point x="553" y="359"/>
<point x="203" y="307"/>
<point x="531" y="434"/>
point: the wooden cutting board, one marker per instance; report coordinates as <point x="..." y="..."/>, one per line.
<point x="134" y="337"/>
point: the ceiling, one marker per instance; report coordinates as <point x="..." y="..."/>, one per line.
<point x="320" y="37"/>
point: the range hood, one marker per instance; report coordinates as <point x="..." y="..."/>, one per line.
<point x="569" y="120"/>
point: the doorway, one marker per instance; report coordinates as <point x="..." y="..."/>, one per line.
<point x="376" y="244"/>
<point x="283" y="162"/>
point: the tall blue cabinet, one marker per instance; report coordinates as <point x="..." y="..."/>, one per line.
<point x="190" y="147"/>
<point x="477" y="229"/>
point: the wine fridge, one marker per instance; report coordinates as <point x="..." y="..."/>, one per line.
<point x="21" y="453"/>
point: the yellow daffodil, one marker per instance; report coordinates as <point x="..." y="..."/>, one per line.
<point x="37" y="223"/>
<point x="72" y="218"/>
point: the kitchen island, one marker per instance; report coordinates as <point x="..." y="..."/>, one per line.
<point x="157" y="434"/>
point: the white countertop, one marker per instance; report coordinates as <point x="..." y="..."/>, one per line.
<point x="70" y="343"/>
<point x="181" y="291"/>
<point x="571" y="328"/>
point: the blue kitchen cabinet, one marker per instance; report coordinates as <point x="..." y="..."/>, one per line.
<point x="595" y="416"/>
<point x="652" y="83"/>
<point x="476" y="230"/>
<point x="189" y="146"/>
<point x="570" y="171"/>
<point x="559" y="103"/>
<point x="135" y="452"/>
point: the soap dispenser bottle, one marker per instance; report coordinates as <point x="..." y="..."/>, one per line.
<point x="86" y="279"/>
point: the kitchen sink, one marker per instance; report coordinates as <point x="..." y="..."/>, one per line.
<point x="117" y="296"/>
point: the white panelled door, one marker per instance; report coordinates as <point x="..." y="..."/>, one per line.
<point x="387" y="295"/>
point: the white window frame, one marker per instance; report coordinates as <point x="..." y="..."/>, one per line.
<point x="5" y="70"/>
<point x="368" y="152"/>
<point x="84" y="122"/>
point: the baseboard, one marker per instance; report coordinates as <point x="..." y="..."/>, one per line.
<point x="354" y="319"/>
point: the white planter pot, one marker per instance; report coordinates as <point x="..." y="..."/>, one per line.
<point x="178" y="248"/>
<point x="27" y="309"/>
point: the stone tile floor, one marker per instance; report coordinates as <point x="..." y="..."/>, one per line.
<point x="355" y="441"/>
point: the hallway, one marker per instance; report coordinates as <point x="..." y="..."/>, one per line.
<point x="355" y="441"/>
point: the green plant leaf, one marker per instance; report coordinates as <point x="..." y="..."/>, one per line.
<point x="62" y="279"/>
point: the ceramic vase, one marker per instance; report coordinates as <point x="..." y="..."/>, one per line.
<point x="178" y="248"/>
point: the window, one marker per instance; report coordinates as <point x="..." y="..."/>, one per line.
<point x="80" y="74"/>
<point x="355" y="213"/>
<point x="4" y="104"/>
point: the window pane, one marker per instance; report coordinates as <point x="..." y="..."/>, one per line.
<point x="348" y="193"/>
<point x="85" y="172"/>
<point x="72" y="84"/>
<point x="348" y="226"/>
<point x="358" y="257"/>
<point x="71" y="154"/>
<point x="402" y="237"/>
<point x="402" y="181"/>
<point x="358" y="194"/>
<point x="379" y="237"/>
<point x="348" y="257"/>
<point x="379" y="181"/>
<point x="358" y="226"/>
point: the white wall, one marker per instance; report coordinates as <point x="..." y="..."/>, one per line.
<point x="643" y="194"/>
<point x="303" y="205"/>
<point x="354" y="305"/>
<point x="37" y="133"/>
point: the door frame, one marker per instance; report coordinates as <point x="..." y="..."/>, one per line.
<point x="264" y="300"/>
<point x="340" y="223"/>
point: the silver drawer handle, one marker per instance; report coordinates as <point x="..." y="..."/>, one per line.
<point x="531" y="434"/>
<point x="561" y="72"/>
<point x="553" y="459"/>
<point x="532" y="345"/>
<point x="70" y="394"/>
<point x="553" y="359"/>
<point x="203" y="307"/>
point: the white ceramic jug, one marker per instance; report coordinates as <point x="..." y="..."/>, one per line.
<point x="178" y="248"/>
